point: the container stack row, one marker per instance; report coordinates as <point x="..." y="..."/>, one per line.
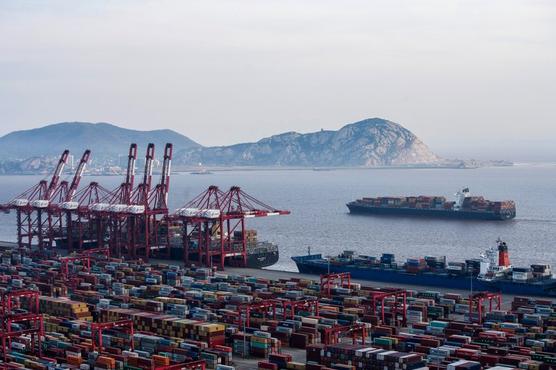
<point x="180" y="315"/>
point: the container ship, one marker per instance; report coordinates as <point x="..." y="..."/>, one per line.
<point x="259" y="253"/>
<point x="465" y="206"/>
<point x="491" y="272"/>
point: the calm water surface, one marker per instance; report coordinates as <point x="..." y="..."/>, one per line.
<point x="320" y="220"/>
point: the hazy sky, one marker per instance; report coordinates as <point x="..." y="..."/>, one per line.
<point x="471" y="78"/>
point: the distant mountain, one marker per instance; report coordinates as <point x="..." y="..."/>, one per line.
<point x="107" y="141"/>
<point x="371" y="142"/>
<point x="368" y="143"/>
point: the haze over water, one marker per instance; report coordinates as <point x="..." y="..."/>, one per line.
<point x="320" y="218"/>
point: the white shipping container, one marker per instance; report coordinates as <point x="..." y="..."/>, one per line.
<point x="308" y="320"/>
<point x="18" y="283"/>
<point x="517" y="275"/>
<point x="18" y="346"/>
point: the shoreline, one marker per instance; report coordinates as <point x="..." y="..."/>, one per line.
<point x="184" y="170"/>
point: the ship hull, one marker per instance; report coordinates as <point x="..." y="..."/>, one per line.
<point x="255" y="259"/>
<point x="311" y="265"/>
<point x="260" y="260"/>
<point x="429" y="213"/>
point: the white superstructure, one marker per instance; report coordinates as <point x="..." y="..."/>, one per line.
<point x="490" y="269"/>
<point x="460" y="198"/>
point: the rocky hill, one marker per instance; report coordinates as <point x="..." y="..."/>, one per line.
<point x="368" y="143"/>
<point x="371" y="142"/>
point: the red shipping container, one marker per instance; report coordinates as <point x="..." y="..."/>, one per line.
<point x="267" y="365"/>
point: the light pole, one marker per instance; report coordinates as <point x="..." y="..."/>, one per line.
<point x="471" y="281"/>
<point x="328" y="261"/>
<point x="244" y="335"/>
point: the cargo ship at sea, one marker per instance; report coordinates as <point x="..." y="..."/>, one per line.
<point x="465" y="206"/>
<point x="491" y="272"/>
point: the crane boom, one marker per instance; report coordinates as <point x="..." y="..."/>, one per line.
<point x="148" y="174"/>
<point x="132" y="157"/>
<point x="57" y="173"/>
<point x="165" y="176"/>
<point x="78" y="174"/>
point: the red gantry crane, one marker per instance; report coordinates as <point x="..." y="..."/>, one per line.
<point x="333" y="334"/>
<point x="120" y="207"/>
<point x="136" y="220"/>
<point x="88" y="217"/>
<point x="84" y="211"/>
<point x="211" y="222"/>
<point x="98" y="327"/>
<point x="476" y="305"/>
<point x="30" y="323"/>
<point x="327" y="281"/>
<point x="198" y="225"/>
<point x="62" y="200"/>
<point x="30" y="207"/>
<point x="157" y="237"/>
<point x="84" y="226"/>
<point x="149" y="210"/>
<point x="398" y="306"/>
<point x="137" y="215"/>
<point x="43" y="224"/>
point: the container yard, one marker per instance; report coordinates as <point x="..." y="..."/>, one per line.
<point x="90" y="284"/>
<point x="117" y="314"/>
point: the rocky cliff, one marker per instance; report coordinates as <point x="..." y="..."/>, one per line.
<point x="368" y="143"/>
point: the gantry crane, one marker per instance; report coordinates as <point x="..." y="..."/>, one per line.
<point x="210" y="220"/>
<point x="476" y="303"/>
<point x="136" y="218"/>
<point x="120" y="207"/>
<point x="32" y="320"/>
<point x="30" y="206"/>
<point x="137" y="221"/>
<point x="44" y="224"/>
<point x="157" y="238"/>
<point x="64" y="201"/>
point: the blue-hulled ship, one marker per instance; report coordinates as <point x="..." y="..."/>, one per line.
<point x="491" y="272"/>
